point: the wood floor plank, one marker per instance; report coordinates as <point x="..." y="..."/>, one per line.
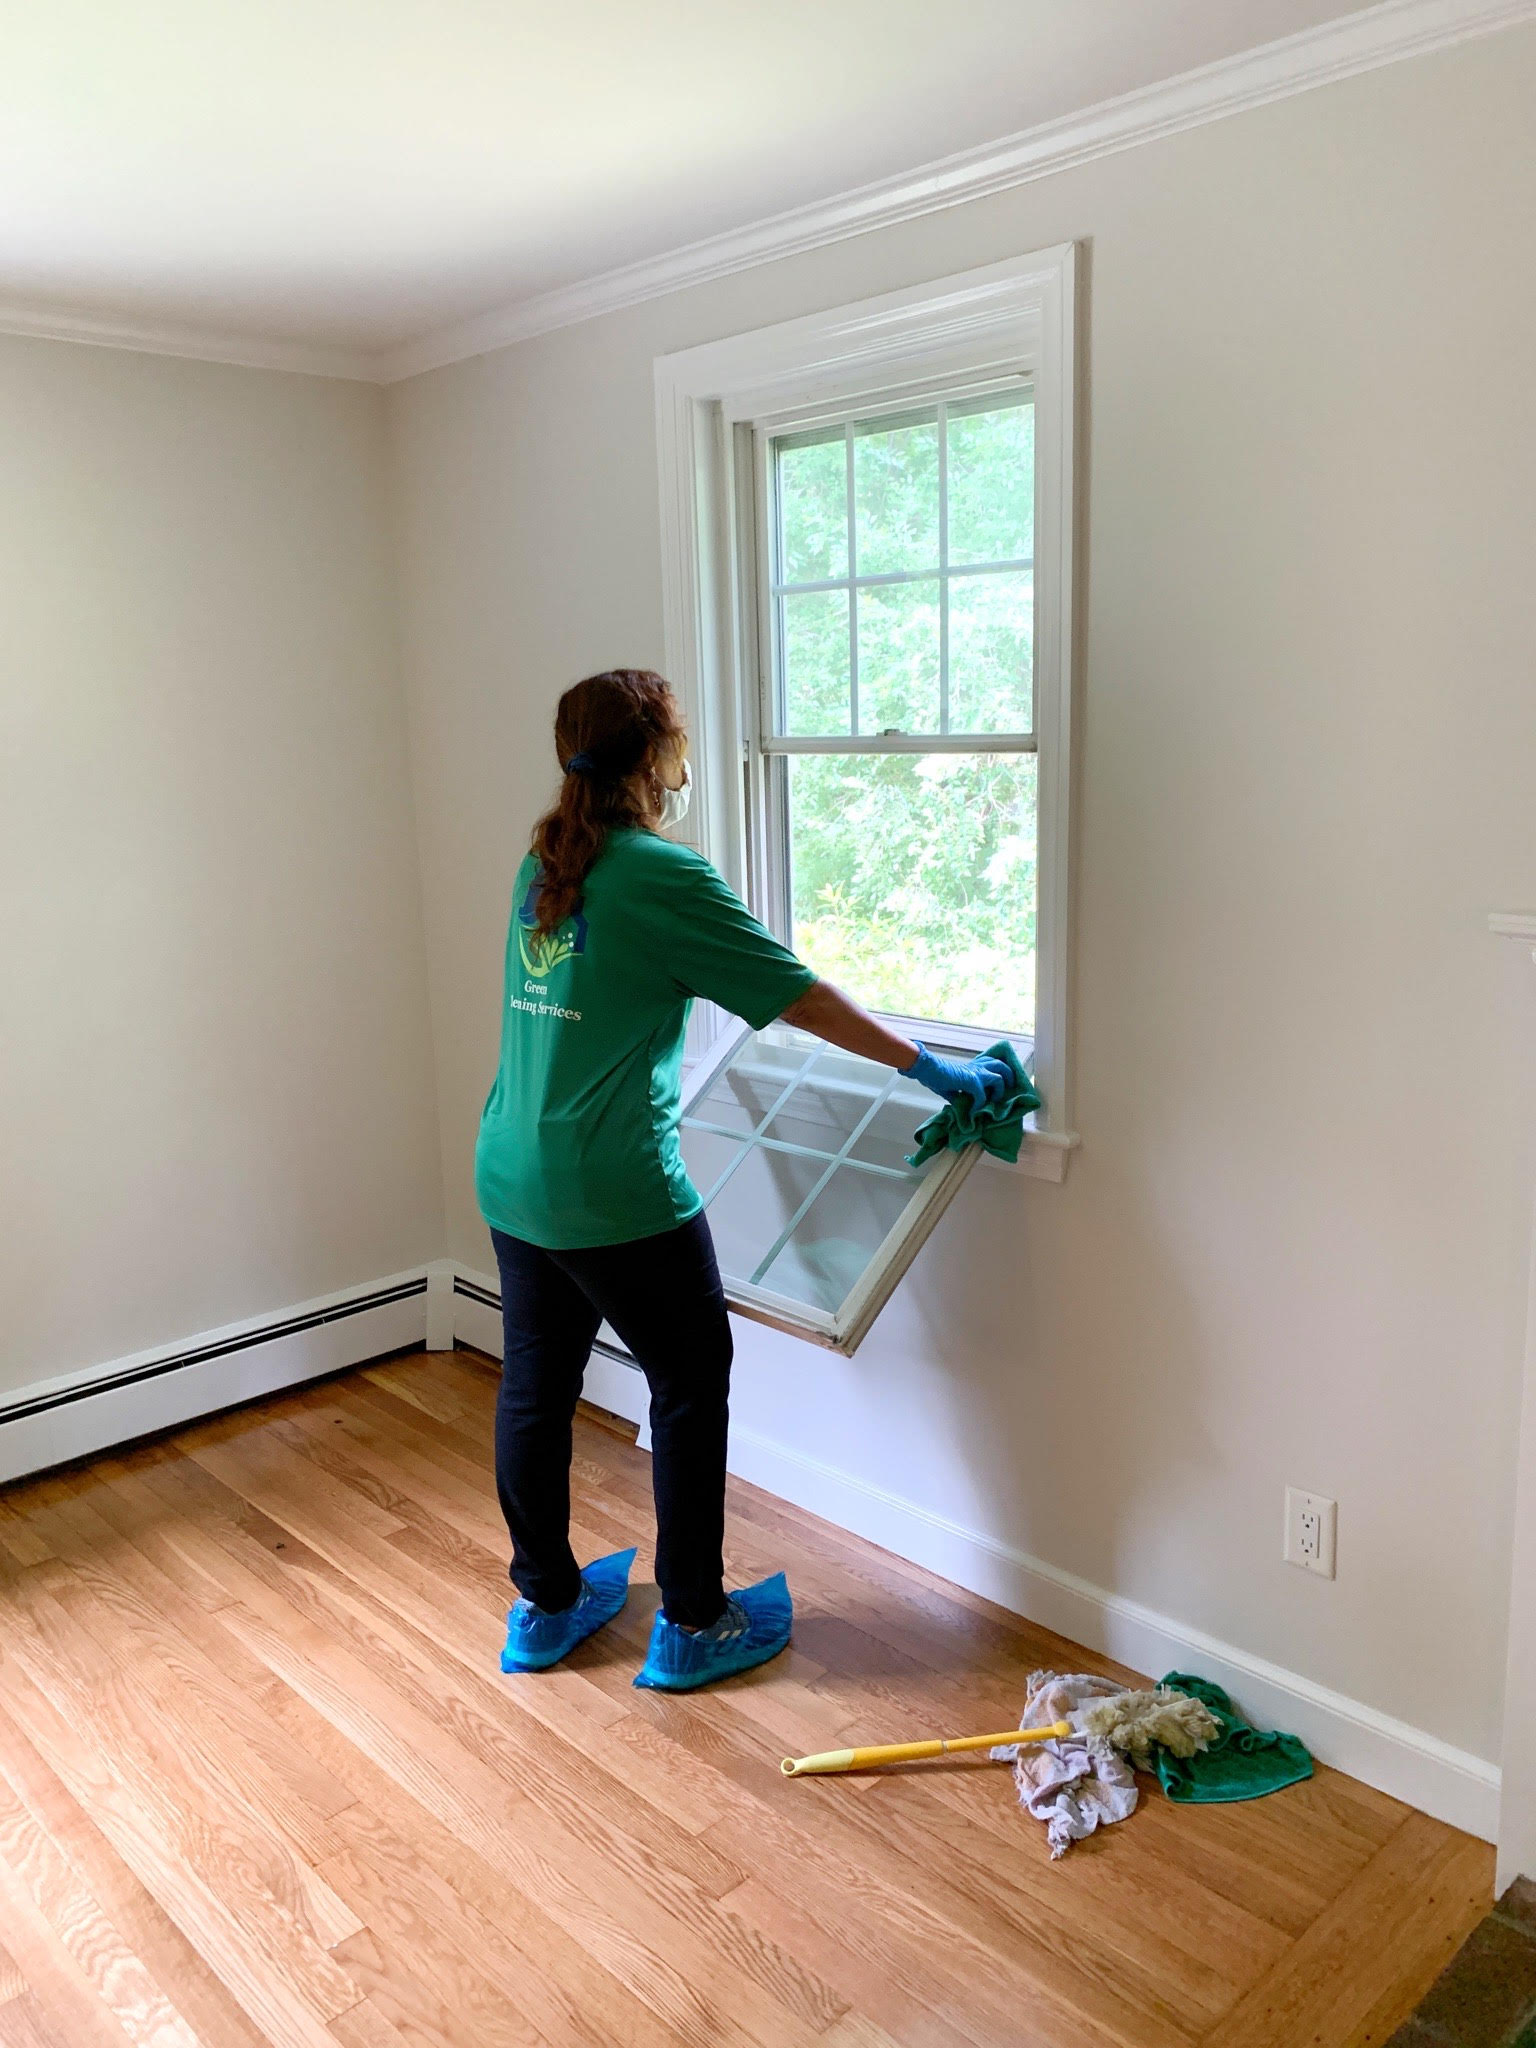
<point x="23" y="2024"/>
<point x="855" y="2030"/>
<point x="417" y="1849"/>
<point x="105" y="1959"/>
<point x="209" y="2007"/>
<point x="262" y="1785"/>
<point x="241" y="1813"/>
<point x="479" y="1804"/>
<point x="440" y="2008"/>
<point x="897" y="1983"/>
<point x="67" y="1998"/>
<point x="419" y="1910"/>
<point x="123" y="1596"/>
<point x="366" y="2027"/>
<point x="606" y="1805"/>
<point x="1363" y="1964"/>
<point x="658" y="1924"/>
<point x="223" y="1912"/>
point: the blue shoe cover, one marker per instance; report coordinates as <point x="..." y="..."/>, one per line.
<point x="754" y="1627"/>
<point x="535" y="1640"/>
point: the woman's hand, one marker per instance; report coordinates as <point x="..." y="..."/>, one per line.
<point x="983" y="1079"/>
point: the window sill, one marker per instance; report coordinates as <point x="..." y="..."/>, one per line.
<point x="1043" y="1154"/>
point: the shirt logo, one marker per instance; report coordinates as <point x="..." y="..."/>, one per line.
<point x="543" y="952"/>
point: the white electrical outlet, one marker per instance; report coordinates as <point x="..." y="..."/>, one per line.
<point x="1311" y="1530"/>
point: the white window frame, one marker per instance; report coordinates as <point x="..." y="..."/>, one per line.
<point x="993" y="326"/>
<point x="845" y="1327"/>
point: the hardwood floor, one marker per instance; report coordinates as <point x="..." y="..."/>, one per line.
<point x="261" y="1781"/>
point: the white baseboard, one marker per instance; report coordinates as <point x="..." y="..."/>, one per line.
<point x="1396" y="1758"/>
<point x="79" y="1414"/>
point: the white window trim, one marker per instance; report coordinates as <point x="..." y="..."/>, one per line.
<point x="1008" y="317"/>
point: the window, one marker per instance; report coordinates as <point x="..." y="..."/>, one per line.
<point x="893" y="737"/>
<point x="802" y="1153"/>
<point x="867" y="528"/>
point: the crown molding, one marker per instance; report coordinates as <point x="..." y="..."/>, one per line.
<point x="1376" y="36"/>
<point x="167" y="338"/>
<point x="1364" y="41"/>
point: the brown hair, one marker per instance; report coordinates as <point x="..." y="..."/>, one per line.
<point x="605" y="728"/>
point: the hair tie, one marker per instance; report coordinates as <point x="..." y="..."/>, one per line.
<point x="580" y="764"/>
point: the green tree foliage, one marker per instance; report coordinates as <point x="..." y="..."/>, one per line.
<point x="913" y="876"/>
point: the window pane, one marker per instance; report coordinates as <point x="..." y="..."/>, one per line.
<point x="887" y="1138"/>
<point x="899" y="657"/>
<point x="741" y="1096"/>
<point x="707" y="1156"/>
<point x="813" y="510"/>
<point x="991" y="473"/>
<point x="830" y="1104"/>
<point x="815" y="662"/>
<point x="991" y="652"/>
<point x="805" y="1225"/>
<point x="912" y="880"/>
<point x="755" y="1205"/>
<point x="838" y="1235"/>
<point x="896" y="498"/>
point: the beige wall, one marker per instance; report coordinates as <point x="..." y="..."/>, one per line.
<point x="216" y="1094"/>
<point x="1290" y="1247"/>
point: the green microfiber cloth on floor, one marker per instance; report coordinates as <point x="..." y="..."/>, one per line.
<point x="999" y="1126"/>
<point x="1242" y="1763"/>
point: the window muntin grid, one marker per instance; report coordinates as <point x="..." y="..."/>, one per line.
<point x="820" y="695"/>
<point x="799" y="1151"/>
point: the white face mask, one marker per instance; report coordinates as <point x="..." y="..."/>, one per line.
<point x="675" y="802"/>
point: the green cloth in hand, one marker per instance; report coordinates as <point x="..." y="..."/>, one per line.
<point x="999" y="1126"/>
<point x="1241" y="1763"/>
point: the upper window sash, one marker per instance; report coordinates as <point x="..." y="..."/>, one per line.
<point x="947" y="568"/>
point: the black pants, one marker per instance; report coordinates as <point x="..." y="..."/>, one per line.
<point x="662" y="1295"/>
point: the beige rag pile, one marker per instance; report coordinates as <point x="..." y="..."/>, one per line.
<point x="1074" y="1783"/>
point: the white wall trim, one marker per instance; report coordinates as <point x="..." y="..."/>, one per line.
<point x="75" y="1415"/>
<point x="1407" y="1762"/>
<point x="1364" y="41"/>
<point x="1517" y="1826"/>
<point x="170" y="338"/>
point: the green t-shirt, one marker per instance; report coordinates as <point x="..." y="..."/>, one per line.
<point x="578" y="1143"/>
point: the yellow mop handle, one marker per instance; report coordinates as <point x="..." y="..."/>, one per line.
<point x="913" y="1752"/>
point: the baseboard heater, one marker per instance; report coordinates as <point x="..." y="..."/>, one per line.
<point x="49" y="1425"/>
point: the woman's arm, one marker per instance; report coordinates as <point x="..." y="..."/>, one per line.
<point x="827" y="1013"/>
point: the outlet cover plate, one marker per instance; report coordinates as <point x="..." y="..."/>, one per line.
<point x="1311" y="1531"/>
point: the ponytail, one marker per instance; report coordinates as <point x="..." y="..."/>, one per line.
<point x="605" y="729"/>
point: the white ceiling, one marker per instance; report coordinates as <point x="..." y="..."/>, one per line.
<point x="357" y="173"/>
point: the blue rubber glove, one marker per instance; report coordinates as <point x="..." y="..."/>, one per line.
<point x="983" y="1079"/>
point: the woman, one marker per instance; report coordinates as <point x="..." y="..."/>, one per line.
<point x="581" y="1178"/>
